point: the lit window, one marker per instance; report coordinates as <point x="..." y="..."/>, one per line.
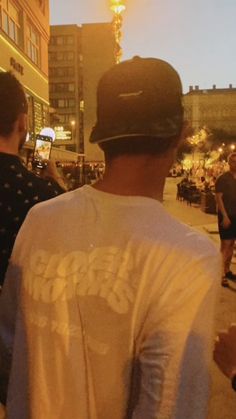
<point x="81" y="106"/>
<point x="10" y="20"/>
<point x="33" y="47"/>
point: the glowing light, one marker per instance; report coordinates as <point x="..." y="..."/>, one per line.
<point x="220" y="149"/>
<point x="49" y="132"/>
<point x="232" y="147"/>
<point x="117" y="7"/>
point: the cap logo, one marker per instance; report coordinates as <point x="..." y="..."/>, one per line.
<point x="130" y="95"/>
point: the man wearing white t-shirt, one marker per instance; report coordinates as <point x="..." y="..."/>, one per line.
<point x="108" y="307"/>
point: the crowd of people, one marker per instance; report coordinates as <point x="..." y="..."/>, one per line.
<point x="108" y="302"/>
<point x="74" y="173"/>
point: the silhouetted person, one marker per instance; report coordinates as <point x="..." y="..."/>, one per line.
<point x="225" y="189"/>
<point x="20" y="189"/>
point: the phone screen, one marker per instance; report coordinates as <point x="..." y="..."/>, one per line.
<point x="42" y="150"/>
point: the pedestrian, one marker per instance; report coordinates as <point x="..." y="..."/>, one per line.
<point x="225" y="189"/>
<point x="20" y="189"/>
<point x="225" y="353"/>
<point x="108" y="313"/>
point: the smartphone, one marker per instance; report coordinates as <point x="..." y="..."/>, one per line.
<point x="42" y="150"/>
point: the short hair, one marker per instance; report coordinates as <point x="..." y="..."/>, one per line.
<point x="136" y="146"/>
<point x="231" y="155"/>
<point x="13" y="102"/>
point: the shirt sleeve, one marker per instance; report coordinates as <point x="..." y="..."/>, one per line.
<point x="175" y="349"/>
<point x="220" y="185"/>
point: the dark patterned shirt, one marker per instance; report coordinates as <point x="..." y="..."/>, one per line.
<point x="20" y="189"/>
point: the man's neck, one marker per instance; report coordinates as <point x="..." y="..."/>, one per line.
<point x="137" y="176"/>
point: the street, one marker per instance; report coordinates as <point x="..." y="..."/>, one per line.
<point x="223" y="398"/>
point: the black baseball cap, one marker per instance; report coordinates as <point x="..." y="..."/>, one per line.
<point x="136" y="98"/>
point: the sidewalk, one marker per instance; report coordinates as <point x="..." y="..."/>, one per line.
<point x="191" y="215"/>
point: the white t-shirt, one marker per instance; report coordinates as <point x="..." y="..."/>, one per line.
<point x="108" y="306"/>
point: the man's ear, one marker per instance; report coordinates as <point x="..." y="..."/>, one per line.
<point x="22" y="122"/>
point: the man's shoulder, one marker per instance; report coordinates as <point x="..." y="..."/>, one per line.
<point x="180" y="237"/>
<point x="222" y="180"/>
<point x="57" y="205"/>
<point x="224" y="175"/>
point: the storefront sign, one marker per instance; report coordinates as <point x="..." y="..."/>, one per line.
<point x="61" y="134"/>
<point x="18" y="67"/>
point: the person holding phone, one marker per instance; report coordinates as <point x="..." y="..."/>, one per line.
<point x="20" y="189"/>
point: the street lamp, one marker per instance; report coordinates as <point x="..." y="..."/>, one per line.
<point x="73" y="132"/>
<point x="232" y="147"/>
<point x="117" y="7"/>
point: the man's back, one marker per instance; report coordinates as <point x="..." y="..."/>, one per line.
<point x="19" y="191"/>
<point x="114" y="305"/>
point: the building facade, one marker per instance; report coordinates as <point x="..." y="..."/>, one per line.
<point x="24" y="37"/>
<point x="212" y="108"/>
<point x="78" y="56"/>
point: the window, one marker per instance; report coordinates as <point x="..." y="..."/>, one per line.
<point x="61" y="71"/>
<point x="66" y="103"/>
<point x="59" y="40"/>
<point x="62" y="87"/>
<point x="52" y="40"/>
<point x="11" y="20"/>
<point x="69" y="40"/>
<point x="61" y="56"/>
<point x="33" y="47"/>
<point x="70" y="56"/>
<point x="63" y="103"/>
<point x="71" y="87"/>
<point x="66" y="118"/>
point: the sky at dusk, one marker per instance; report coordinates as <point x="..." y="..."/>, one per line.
<point x="198" y="37"/>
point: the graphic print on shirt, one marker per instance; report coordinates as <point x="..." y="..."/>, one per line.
<point x="103" y="272"/>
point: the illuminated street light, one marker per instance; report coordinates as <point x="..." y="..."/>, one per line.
<point x="73" y="137"/>
<point x="220" y="149"/>
<point x="117" y="7"/>
<point x="232" y="147"/>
